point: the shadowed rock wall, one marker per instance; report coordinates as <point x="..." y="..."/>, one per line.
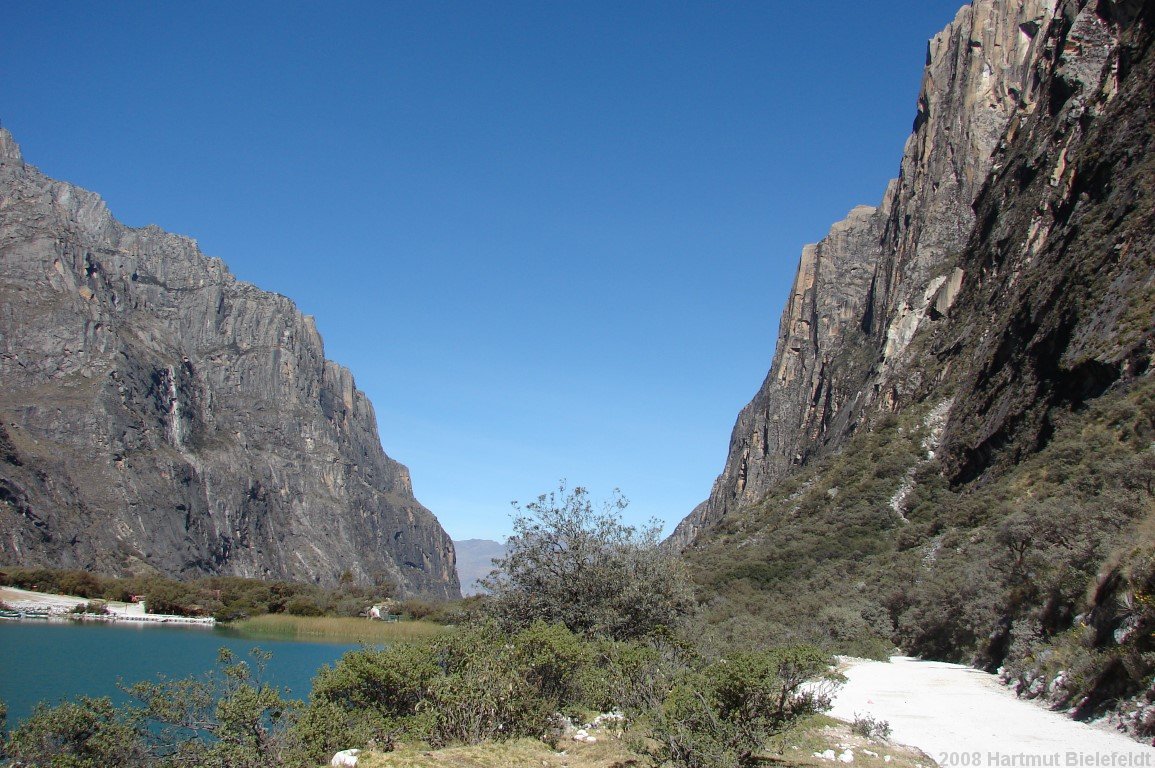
<point x="997" y="274"/>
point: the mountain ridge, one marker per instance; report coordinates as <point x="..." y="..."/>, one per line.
<point x="160" y="415"/>
<point x="884" y="273"/>
<point x="475" y="561"/>
<point x="954" y="450"/>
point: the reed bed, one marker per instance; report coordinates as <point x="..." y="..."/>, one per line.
<point x="337" y="629"/>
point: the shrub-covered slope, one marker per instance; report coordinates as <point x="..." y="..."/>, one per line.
<point x="980" y="486"/>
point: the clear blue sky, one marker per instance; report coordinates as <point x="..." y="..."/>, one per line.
<point x="551" y="239"/>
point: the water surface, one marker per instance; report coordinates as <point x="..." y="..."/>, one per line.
<point x="54" y="661"/>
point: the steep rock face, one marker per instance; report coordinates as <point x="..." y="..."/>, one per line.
<point x="994" y="502"/>
<point x="814" y="367"/>
<point x="158" y="415"/>
<point x="1061" y="305"/>
<point x="862" y="294"/>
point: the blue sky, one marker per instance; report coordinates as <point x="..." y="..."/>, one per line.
<point x="551" y="239"/>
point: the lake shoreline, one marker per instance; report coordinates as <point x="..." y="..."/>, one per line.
<point x="45" y="606"/>
<point x="34" y="606"/>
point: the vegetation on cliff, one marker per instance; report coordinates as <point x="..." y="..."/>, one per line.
<point x="981" y="490"/>
<point x="872" y="548"/>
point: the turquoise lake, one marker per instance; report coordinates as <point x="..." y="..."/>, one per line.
<point x="54" y="661"/>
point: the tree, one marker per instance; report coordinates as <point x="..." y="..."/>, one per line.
<point x="570" y="563"/>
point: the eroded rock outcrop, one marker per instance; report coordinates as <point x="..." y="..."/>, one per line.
<point x="976" y="273"/>
<point x="158" y="414"/>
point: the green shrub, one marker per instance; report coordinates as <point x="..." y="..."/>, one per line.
<point x="94" y="607"/>
<point x="79" y="583"/>
<point x="626" y="675"/>
<point x="724" y="714"/>
<point x="86" y="733"/>
<point x="303" y="605"/>
<point x="484" y="697"/>
<point x="552" y="659"/>
<point x="388" y="683"/>
<point x="228" y="718"/>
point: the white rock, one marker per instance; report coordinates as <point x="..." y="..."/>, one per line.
<point x="827" y="755"/>
<point x="868" y="752"/>
<point x="346" y="758"/>
<point x="886" y="758"/>
<point x="847" y="756"/>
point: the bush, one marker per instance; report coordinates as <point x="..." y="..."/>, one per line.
<point x="228" y="718"/>
<point x="724" y="714"/>
<point x="99" y="609"/>
<point x="87" y="733"/>
<point x="568" y="563"/>
<point x="417" y="609"/>
<point x="478" y="684"/>
<point x="552" y="660"/>
<point x="170" y="597"/>
<point x="870" y="728"/>
<point x="484" y="696"/>
<point x="626" y="675"/>
<point x="369" y="695"/>
<point x="301" y="605"/>
<point x="79" y="583"/>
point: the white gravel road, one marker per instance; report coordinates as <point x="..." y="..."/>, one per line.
<point x="964" y="718"/>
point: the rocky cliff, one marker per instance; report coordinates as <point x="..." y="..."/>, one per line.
<point x="1012" y="114"/>
<point x="954" y="451"/>
<point x="159" y="415"/>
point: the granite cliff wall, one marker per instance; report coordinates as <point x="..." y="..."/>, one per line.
<point x="159" y="415"/>
<point x="874" y="320"/>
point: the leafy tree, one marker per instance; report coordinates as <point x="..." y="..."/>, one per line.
<point x="171" y="597"/>
<point x="570" y="563"/>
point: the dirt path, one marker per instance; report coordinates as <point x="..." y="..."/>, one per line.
<point x="964" y="718"/>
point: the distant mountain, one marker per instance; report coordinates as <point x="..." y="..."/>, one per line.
<point x="474" y="561"/>
<point x="159" y="415"/>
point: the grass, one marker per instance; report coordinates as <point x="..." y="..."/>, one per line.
<point x="606" y="753"/>
<point x="818" y="733"/>
<point x="337" y="629"/>
<point x="795" y="747"/>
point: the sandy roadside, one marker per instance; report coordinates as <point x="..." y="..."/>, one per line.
<point x="28" y="600"/>
<point x="964" y="718"/>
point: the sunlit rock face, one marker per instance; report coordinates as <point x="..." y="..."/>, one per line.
<point x="1005" y="268"/>
<point x="158" y="415"/>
